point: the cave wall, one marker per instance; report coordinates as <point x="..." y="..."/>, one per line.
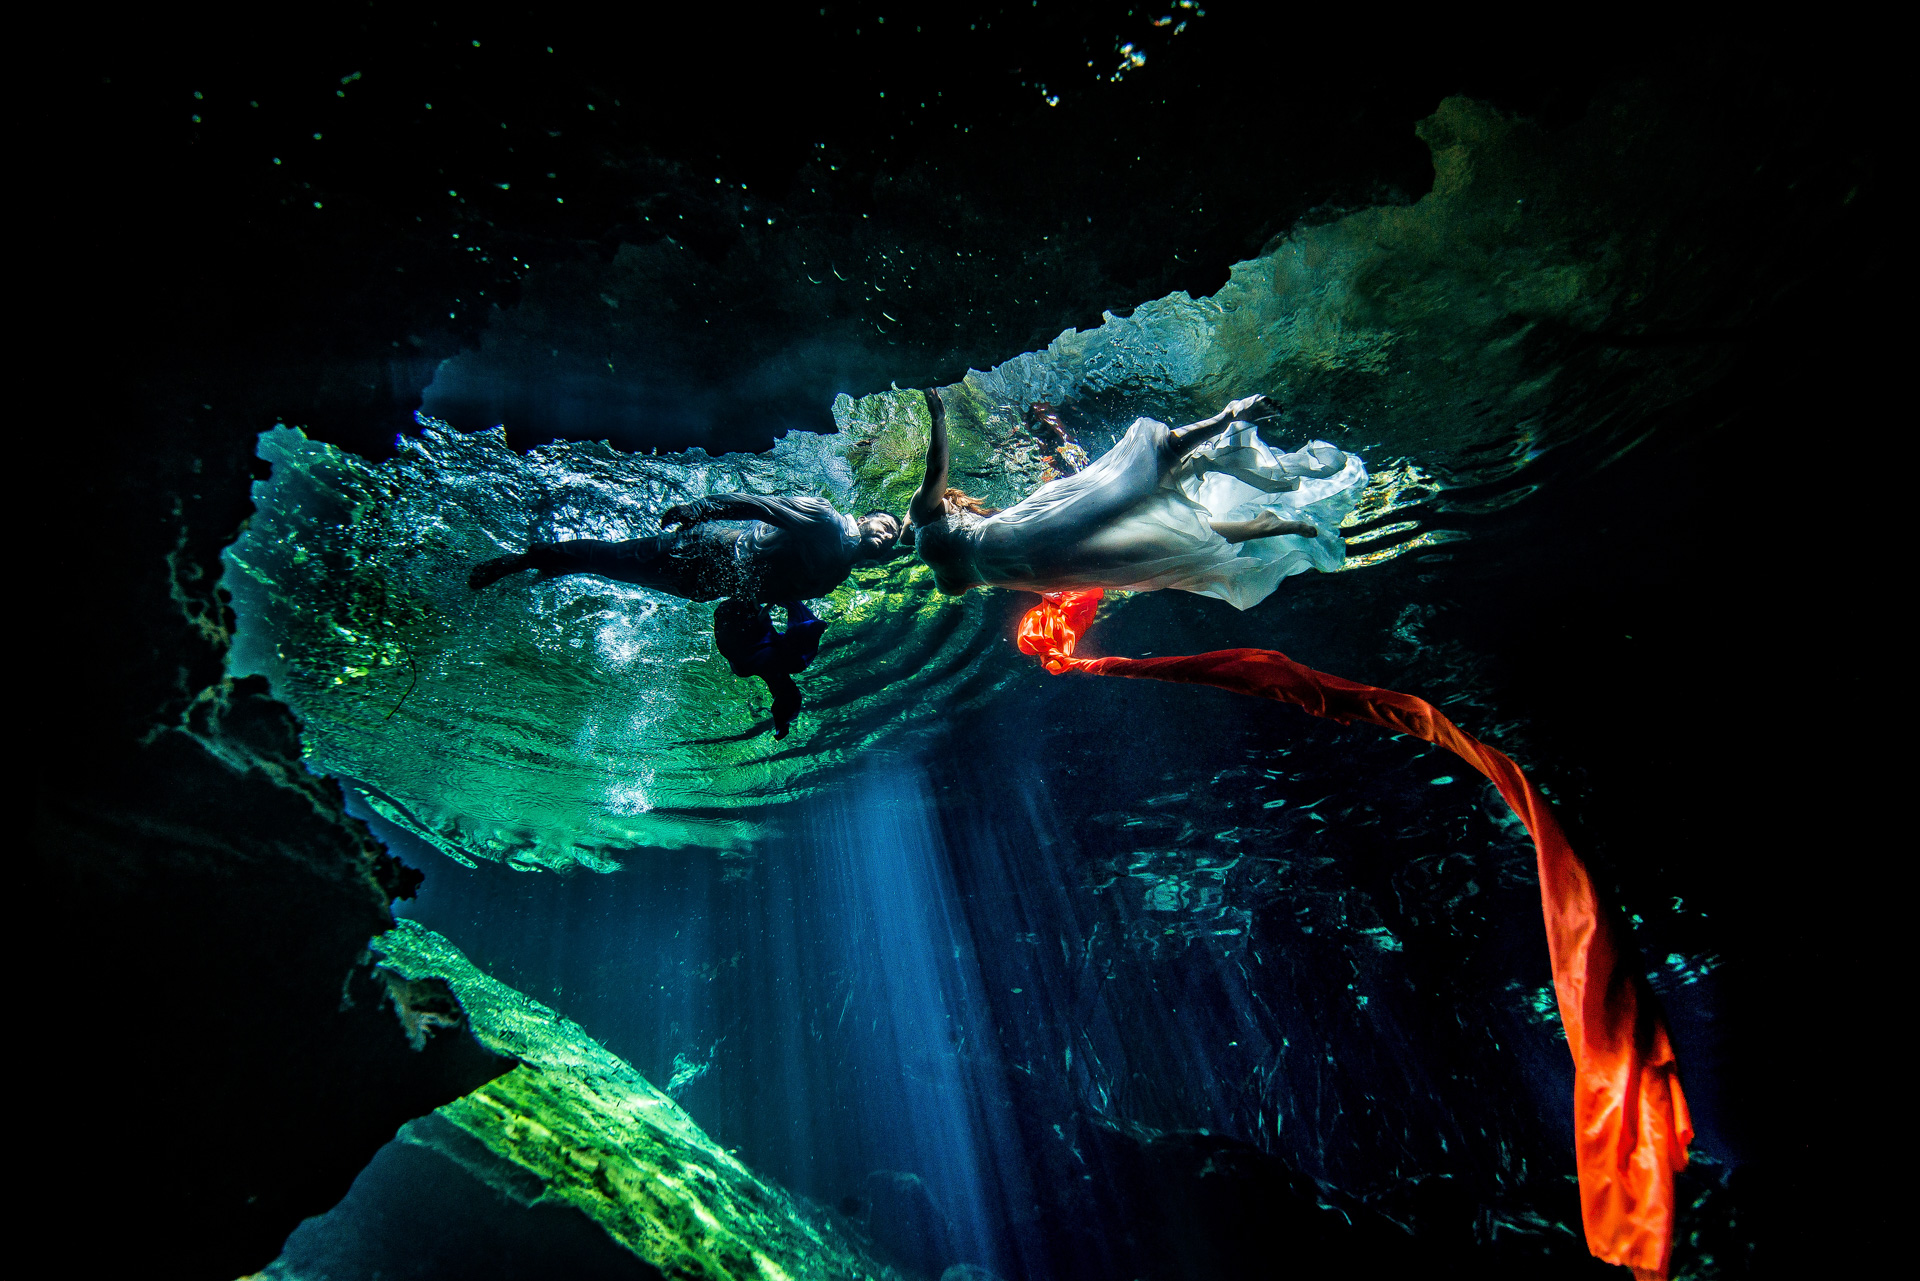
<point x="229" y="1053"/>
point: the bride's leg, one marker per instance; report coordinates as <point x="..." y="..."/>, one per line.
<point x="1265" y="525"/>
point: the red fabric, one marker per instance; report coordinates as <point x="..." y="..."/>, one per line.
<point x="1631" y="1127"/>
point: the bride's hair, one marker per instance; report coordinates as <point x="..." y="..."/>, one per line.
<point x="967" y="502"/>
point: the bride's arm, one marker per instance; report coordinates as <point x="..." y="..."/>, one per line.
<point x="930" y="503"/>
<point x="1185" y="438"/>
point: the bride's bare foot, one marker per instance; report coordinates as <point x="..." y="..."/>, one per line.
<point x="1265" y="525"/>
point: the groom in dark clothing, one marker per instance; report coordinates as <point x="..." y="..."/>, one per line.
<point x="751" y="549"/>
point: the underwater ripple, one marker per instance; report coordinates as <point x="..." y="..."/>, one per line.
<point x="555" y="724"/>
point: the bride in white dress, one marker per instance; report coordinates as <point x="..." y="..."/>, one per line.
<point x="1207" y="508"/>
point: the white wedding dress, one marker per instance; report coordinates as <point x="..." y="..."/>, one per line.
<point x="1138" y="520"/>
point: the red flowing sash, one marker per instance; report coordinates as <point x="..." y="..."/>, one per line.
<point x="1631" y="1127"/>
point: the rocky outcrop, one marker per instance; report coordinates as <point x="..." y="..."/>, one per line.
<point x="228" y="1053"/>
<point x="575" y="1126"/>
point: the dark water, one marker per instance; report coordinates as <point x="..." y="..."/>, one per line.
<point x="1058" y="977"/>
<point x="1078" y="909"/>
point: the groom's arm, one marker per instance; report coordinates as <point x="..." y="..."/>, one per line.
<point x="782" y="513"/>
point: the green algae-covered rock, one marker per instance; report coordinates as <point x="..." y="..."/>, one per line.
<point x="575" y="1125"/>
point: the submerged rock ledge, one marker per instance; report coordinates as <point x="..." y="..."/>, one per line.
<point x="575" y="1125"/>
